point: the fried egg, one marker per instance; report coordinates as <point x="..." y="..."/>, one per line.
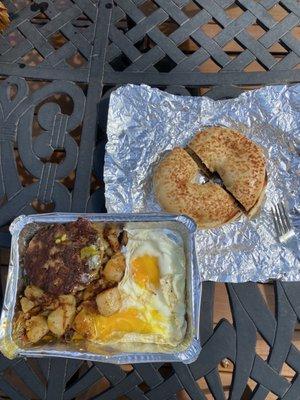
<point x="152" y="293"/>
<point x="154" y="284"/>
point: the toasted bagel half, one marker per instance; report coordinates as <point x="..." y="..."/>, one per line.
<point x="239" y="162"/>
<point x="177" y="192"/>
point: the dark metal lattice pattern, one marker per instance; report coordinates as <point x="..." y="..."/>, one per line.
<point x="50" y="34"/>
<point x="50" y="108"/>
<point x="169" y="25"/>
<point x="58" y="59"/>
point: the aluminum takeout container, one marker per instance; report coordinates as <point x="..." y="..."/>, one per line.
<point x="186" y="352"/>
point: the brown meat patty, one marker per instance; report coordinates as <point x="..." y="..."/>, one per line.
<point x="53" y="260"/>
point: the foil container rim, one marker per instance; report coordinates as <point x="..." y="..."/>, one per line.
<point x="187" y="355"/>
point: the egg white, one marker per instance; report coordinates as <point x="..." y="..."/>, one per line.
<point x="169" y="298"/>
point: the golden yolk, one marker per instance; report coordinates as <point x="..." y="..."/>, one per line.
<point x="145" y="271"/>
<point x="97" y="327"/>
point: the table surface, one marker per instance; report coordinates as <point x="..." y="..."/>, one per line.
<point x="59" y="61"/>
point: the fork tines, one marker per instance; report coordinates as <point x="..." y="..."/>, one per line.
<point x="282" y="220"/>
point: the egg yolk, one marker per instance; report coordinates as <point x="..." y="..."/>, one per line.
<point x="145" y="271"/>
<point x="98" y="327"/>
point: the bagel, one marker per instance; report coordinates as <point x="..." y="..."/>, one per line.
<point x="177" y="192"/>
<point x="239" y="162"/>
<point x="257" y="206"/>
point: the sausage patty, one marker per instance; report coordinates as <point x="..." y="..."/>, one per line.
<point x="53" y="260"/>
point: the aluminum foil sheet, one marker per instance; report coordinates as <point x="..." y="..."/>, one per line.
<point x="143" y="123"/>
<point x="22" y="230"/>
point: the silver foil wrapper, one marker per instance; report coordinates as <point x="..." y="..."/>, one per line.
<point x="143" y="123"/>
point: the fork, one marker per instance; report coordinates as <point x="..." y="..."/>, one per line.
<point x="285" y="231"/>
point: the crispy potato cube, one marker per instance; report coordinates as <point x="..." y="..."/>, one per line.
<point x="108" y="302"/>
<point x="55" y="321"/>
<point x="36" y="328"/>
<point x="114" y="269"/>
<point x="33" y="292"/>
<point x="84" y="326"/>
<point x="26" y="304"/>
<point x="61" y="318"/>
<point x="67" y="299"/>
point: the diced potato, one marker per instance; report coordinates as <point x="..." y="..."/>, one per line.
<point x="61" y="318"/>
<point x="55" y="321"/>
<point x="84" y="326"/>
<point x="33" y="292"/>
<point x="114" y="269"/>
<point x="36" y="328"/>
<point x="39" y="297"/>
<point x="108" y="302"/>
<point x="67" y="299"/>
<point x="35" y="310"/>
<point x="26" y="304"/>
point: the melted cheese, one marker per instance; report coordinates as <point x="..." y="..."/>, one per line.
<point x="103" y="329"/>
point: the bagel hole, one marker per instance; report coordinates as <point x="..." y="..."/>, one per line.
<point x="202" y="167"/>
<point x="201" y="178"/>
<point x="213" y="177"/>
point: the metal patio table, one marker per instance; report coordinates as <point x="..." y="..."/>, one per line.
<point x="59" y="61"/>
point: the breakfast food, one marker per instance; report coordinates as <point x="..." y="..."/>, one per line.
<point x="59" y="256"/>
<point x="177" y="191"/>
<point x="238" y="161"/>
<point x="148" y="305"/>
<point x="128" y="285"/>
